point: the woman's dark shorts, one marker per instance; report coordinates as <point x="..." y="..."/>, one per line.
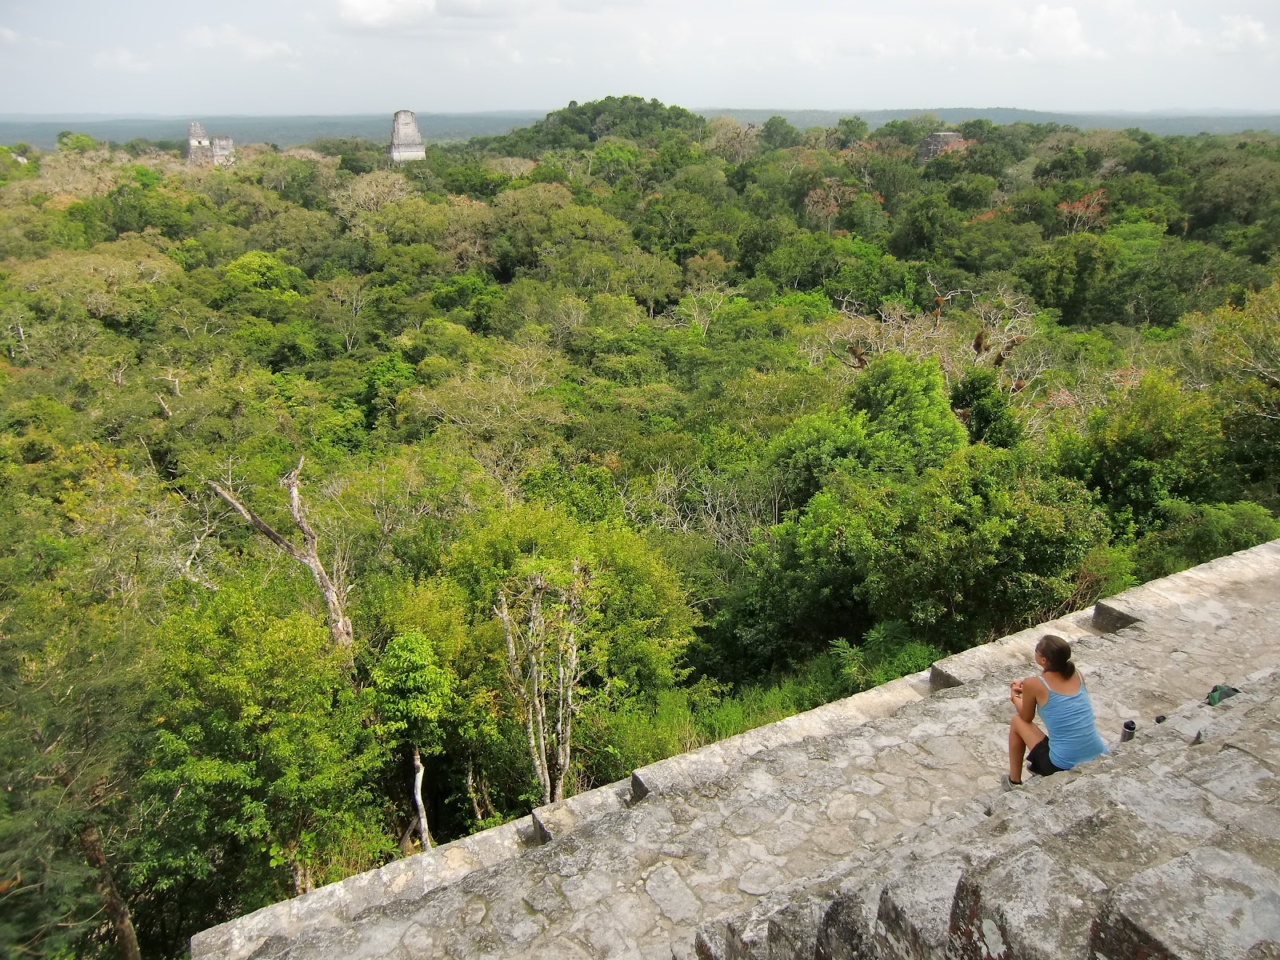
<point x="1039" y="762"/>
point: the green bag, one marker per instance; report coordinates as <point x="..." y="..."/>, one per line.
<point x="1219" y="693"/>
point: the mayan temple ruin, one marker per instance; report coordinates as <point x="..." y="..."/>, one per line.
<point x="406" y="141"/>
<point x="936" y="144"/>
<point x="205" y="151"/>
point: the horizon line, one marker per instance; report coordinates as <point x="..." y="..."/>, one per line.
<point x="1219" y="112"/>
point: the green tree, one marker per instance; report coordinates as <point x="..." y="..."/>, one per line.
<point x="850" y="130"/>
<point x="1191" y="534"/>
<point x="923" y="225"/>
<point x="70" y="142"/>
<point x="910" y="421"/>
<point x="1157" y="443"/>
<point x="987" y="415"/>
<point x="415" y="694"/>
<point x="264" y="756"/>
<point x="777" y="134"/>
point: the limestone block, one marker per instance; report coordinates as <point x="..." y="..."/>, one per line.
<point x="680" y="774"/>
<point x="747" y="938"/>
<point x="1205" y="904"/>
<point x="1009" y="654"/>
<point x="1114" y="614"/>
<point x="672" y="895"/>
<point x="337" y="904"/>
<point x="559" y="819"/>
<point x="915" y="910"/>
<point x="1028" y="907"/>
<point x="793" y="930"/>
<point x="495" y="844"/>
<point x="847" y="931"/>
<point x="709" y="943"/>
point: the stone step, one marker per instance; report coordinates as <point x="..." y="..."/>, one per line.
<point x="641" y="877"/>
<point x="410" y="879"/>
<point x="827" y="805"/>
<point x="334" y="906"/>
<point x="1013" y="652"/>
<point x="1135" y="824"/>
<point x="1033" y="878"/>
<point x="689" y="772"/>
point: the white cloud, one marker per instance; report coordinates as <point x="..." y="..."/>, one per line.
<point x="457" y="55"/>
<point x="385" y="13"/>
<point x="405" y="15"/>
<point x="1243" y="33"/>
<point x="1056" y="34"/>
<point x="1164" y="34"/>
<point x="594" y="6"/>
<point x="482" y="9"/>
<point x="512" y="54"/>
<point x="248" y="46"/>
<point x="12" y="37"/>
<point x="120" y="60"/>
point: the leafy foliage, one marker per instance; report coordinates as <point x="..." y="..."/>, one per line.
<point x="732" y="420"/>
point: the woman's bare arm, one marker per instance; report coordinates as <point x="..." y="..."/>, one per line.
<point x="1025" y="694"/>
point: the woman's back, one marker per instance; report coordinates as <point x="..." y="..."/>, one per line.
<point x="1066" y="686"/>
<point x="1073" y="734"/>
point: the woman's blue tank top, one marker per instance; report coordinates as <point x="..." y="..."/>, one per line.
<point x="1073" y="734"/>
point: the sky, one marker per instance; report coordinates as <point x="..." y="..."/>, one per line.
<point x="272" y="57"/>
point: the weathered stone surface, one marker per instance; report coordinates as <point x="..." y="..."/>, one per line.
<point x="1206" y="904"/>
<point x="203" y="151"/>
<point x="855" y="831"/>
<point x="406" y="141"/>
<point x="1011" y="652"/>
<point x="559" y="819"/>
<point x="915" y="909"/>
<point x="937" y="143"/>
<point x="333" y="906"/>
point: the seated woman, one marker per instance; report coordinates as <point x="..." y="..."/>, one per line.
<point x="1064" y="706"/>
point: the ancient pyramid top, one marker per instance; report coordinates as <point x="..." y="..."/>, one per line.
<point x="406" y="141"/>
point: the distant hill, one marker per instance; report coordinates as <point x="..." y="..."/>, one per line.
<point x="288" y="131"/>
<point x="1165" y="124"/>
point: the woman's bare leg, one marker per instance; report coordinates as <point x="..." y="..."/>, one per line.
<point x="1022" y="737"/>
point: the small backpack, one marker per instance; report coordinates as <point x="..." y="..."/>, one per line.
<point x="1219" y="693"/>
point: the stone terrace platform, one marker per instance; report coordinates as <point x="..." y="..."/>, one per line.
<point x="872" y="827"/>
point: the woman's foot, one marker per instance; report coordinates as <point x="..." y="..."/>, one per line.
<point x="1006" y="784"/>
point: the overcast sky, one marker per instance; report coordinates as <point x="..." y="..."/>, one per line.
<point x="171" y="57"/>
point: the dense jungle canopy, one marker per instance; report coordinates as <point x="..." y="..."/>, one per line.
<point x="510" y="470"/>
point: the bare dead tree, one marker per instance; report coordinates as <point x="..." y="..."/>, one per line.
<point x="114" y="904"/>
<point x="308" y="554"/>
<point x="478" y="792"/>
<point x="700" y="306"/>
<point x="18" y="350"/>
<point x="174" y="379"/>
<point x="347" y="297"/>
<point x="544" y="669"/>
<point x="418" y="806"/>
<point x="208" y="519"/>
<point x="192" y="324"/>
<point x="524" y="670"/>
<point x="116" y="371"/>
